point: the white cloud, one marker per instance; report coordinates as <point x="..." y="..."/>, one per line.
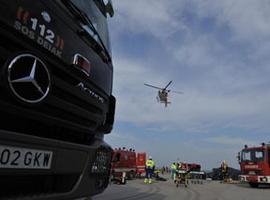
<point x="224" y="75"/>
<point x="247" y="19"/>
<point x="224" y="140"/>
<point x="194" y="110"/>
<point x="155" y="17"/>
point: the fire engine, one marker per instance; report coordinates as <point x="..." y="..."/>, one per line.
<point x="255" y="165"/>
<point x="56" y="102"/>
<point x="123" y="165"/>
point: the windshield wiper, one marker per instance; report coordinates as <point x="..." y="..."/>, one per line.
<point x="86" y="25"/>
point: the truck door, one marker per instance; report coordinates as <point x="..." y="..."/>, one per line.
<point x="269" y="157"/>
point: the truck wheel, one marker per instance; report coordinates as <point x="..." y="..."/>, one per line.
<point x="254" y="185"/>
<point x="132" y="175"/>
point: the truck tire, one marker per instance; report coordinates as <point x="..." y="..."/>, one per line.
<point x="254" y="185"/>
<point x="132" y="175"/>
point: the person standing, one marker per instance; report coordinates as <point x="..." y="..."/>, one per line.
<point x="149" y="170"/>
<point x="224" y="170"/>
<point x="163" y="170"/>
<point x="173" y="171"/>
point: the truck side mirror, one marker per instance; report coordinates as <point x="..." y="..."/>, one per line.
<point x="109" y="8"/>
<point x="239" y="157"/>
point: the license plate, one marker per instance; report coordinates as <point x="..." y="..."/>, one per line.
<point x="24" y="158"/>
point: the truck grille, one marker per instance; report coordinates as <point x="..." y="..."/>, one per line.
<point x="253" y="172"/>
<point x="32" y="186"/>
<point x="68" y="114"/>
<point x="100" y="168"/>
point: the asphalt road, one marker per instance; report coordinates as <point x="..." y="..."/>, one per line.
<point x="136" y="189"/>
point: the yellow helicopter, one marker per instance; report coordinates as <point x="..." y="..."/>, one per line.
<point x="162" y="96"/>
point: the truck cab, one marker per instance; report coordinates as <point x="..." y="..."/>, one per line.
<point x="255" y="165"/>
<point x="56" y="101"/>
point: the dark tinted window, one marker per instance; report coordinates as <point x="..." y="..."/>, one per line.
<point x="253" y="155"/>
<point x="93" y="12"/>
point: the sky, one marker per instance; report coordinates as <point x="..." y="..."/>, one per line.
<point x="216" y="52"/>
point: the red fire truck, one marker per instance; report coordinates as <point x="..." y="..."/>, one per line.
<point x="140" y="163"/>
<point x="123" y="165"/>
<point x="255" y="165"/>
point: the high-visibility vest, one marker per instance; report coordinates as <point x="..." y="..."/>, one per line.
<point x="173" y="167"/>
<point x="150" y="163"/>
<point x="224" y="167"/>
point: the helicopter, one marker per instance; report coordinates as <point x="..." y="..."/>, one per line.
<point x="162" y="96"/>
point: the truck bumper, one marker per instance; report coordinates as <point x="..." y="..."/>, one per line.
<point x="264" y="179"/>
<point x="255" y="179"/>
<point x="73" y="171"/>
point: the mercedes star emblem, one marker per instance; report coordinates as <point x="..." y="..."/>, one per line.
<point x="29" y="78"/>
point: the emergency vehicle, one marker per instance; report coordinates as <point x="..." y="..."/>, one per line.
<point x="56" y="102"/>
<point x="255" y="165"/>
<point x="140" y="164"/>
<point x="123" y="165"/>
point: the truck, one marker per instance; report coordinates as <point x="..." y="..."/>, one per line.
<point x="123" y="165"/>
<point x="56" y="101"/>
<point x="255" y="165"/>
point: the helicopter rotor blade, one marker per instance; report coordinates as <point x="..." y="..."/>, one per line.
<point x="153" y="86"/>
<point x="168" y="85"/>
<point x="177" y="92"/>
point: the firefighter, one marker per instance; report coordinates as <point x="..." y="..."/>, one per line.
<point x="224" y="170"/>
<point x="173" y="171"/>
<point x="149" y="170"/>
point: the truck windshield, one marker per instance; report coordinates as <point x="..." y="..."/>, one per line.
<point x="98" y="27"/>
<point x="253" y="155"/>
